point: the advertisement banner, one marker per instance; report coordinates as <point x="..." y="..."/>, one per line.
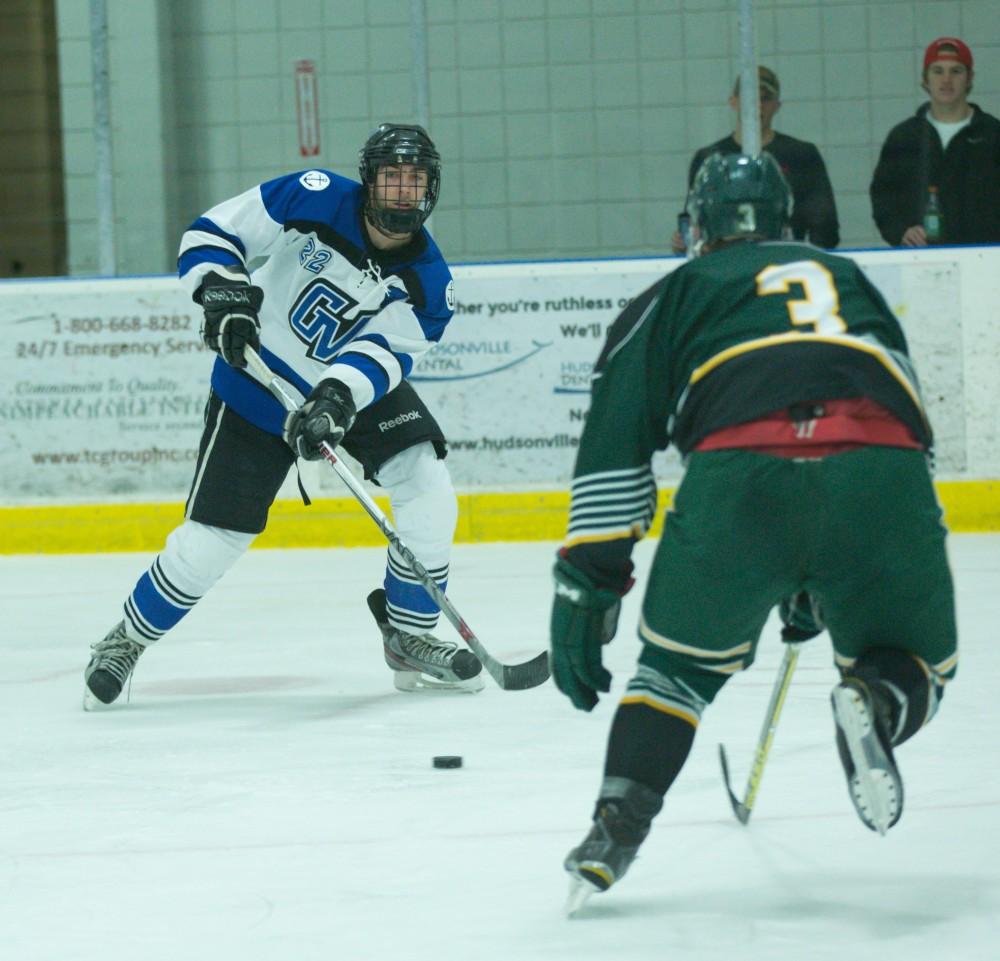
<point x="510" y="382"/>
<point x="102" y="388"/>
<point x="927" y="299"/>
<point x="103" y="383"/>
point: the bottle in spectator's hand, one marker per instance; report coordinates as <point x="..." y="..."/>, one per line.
<point x="933" y="223"/>
<point x="684" y="229"/>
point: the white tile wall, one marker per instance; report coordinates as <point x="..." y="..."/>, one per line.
<point x="567" y="126"/>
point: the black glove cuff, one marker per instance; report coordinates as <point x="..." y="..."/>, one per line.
<point x="242" y="295"/>
<point x="217" y="291"/>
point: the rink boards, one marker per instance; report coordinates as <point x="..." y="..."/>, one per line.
<point x="969" y="506"/>
<point x="103" y="382"/>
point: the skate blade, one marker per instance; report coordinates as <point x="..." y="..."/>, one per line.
<point x="580" y="891"/>
<point x="873" y="787"/>
<point x="93" y="703"/>
<point x="413" y="682"/>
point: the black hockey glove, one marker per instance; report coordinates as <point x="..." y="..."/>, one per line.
<point x="800" y="617"/>
<point x="584" y="617"/>
<point x="326" y="415"/>
<point x="230" y="324"/>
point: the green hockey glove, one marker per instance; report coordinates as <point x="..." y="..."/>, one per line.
<point x="800" y="617"/>
<point x="584" y="617"/>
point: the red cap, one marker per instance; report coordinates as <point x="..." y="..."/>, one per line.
<point x="961" y="53"/>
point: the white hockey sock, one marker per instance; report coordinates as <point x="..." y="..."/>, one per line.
<point x="426" y="512"/>
<point x="194" y="558"/>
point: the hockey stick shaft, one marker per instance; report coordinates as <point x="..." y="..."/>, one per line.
<point x="743" y="809"/>
<point x="510" y="677"/>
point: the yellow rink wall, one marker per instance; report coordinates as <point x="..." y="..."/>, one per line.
<point x="970" y="506"/>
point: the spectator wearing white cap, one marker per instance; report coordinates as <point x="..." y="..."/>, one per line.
<point x="938" y="175"/>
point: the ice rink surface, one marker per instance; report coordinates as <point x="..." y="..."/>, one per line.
<point x="267" y="794"/>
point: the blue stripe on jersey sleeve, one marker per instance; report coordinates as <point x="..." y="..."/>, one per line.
<point x="370" y="368"/>
<point x="405" y="360"/>
<point x="206" y="255"/>
<point x="208" y="226"/>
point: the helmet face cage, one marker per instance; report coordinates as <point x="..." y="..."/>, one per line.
<point x="393" y="144"/>
<point x="736" y="196"/>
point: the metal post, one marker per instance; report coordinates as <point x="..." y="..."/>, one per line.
<point x="749" y="83"/>
<point x="420" y="70"/>
<point x="102" y="139"/>
<point x="421" y="77"/>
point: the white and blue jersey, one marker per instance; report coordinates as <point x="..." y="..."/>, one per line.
<point x="334" y="305"/>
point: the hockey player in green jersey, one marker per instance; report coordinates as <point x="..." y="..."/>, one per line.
<point x="783" y="378"/>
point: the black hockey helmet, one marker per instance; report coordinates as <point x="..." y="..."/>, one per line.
<point x="735" y="196"/>
<point x="394" y="143"/>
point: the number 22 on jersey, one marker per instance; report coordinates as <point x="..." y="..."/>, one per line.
<point x="819" y="308"/>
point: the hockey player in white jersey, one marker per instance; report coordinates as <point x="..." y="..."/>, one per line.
<point x="352" y="293"/>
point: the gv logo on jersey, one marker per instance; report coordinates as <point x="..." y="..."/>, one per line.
<point x="319" y="318"/>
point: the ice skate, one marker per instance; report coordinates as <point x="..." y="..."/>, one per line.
<point x="621" y="822"/>
<point x="110" y="666"/>
<point x="422" y="662"/>
<point x="862" y="714"/>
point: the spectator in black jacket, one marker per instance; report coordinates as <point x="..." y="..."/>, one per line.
<point x="951" y="145"/>
<point x="814" y="211"/>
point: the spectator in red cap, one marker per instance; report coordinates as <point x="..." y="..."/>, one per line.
<point x="814" y="211"/>
<point x="938" y="175"/>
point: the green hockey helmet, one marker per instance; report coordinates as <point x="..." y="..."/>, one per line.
<point x="735" y="196"/>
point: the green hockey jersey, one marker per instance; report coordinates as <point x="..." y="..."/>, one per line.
<point x="725" y="339"/>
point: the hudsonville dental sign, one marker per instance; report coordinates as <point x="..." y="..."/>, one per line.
<point x="460" y="360"/>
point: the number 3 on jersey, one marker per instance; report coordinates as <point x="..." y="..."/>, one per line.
<point x="820" y="308"/>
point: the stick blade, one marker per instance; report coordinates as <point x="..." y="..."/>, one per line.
<point x="521" y="677"/>
<point x="741" y="811"/>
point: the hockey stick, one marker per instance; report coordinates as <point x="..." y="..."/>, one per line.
<point x="743" y="809"/>
<point x="510" y="677"/>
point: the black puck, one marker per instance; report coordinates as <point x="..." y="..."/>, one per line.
<point x="447" y="760"/>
